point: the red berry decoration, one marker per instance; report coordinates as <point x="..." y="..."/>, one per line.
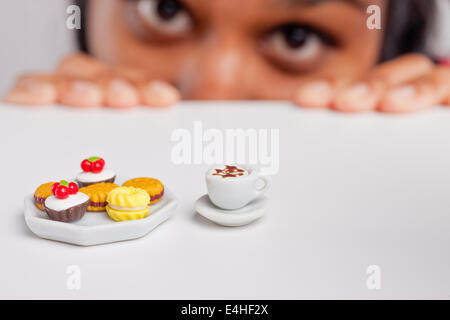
<point x="63" y="189"/>
<point x="54" y="187"/>
<point x="93" y="164"/>
<point x="62" y="192"/>
<point x="97" y="167"/>
<point x="86" y="165"/>
<point x="73" y="188"/>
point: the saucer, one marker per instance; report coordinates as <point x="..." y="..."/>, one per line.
<point x="232" y="218"/>
<point x="96" y="227"/>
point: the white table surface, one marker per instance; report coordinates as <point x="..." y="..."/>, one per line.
<point x="352" y="191"/>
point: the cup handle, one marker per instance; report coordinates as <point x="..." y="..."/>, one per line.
<point x="267" y="181"/>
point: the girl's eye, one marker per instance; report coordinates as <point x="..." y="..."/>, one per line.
<point x="294" y="45"/>
<point x="165" y="17"/>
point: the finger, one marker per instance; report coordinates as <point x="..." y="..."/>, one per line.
<point x="447" y="100"/>
<point x="365" y="95"/>
<point x="158" y="94"/>
<point x="117" y="92"/>
<point x="428" y="91"/>
<point x="136" y="86"/>
<point x="360" y="97"/>
<point x="152" y="92"/>
<point x="120" y="94"/>
<point x="122" y="87"/>
<point x="80" y="93"/>
<point x="81" y="65"/>
<point x="318" y="93"/>
<point x="403" y="69"/>
<point x="33" y="90"/>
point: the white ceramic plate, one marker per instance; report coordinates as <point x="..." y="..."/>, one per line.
<point x="96" y="227"/>
<point x="232" y="218"/>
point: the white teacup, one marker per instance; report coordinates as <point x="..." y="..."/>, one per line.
<point x="235" y="190"/>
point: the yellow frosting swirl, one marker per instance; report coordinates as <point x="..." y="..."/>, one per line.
<point x="128" y="197"/>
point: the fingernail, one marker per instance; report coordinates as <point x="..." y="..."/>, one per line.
<point x="119" y="85"/>
<point x="158" y="93"/>
<point x="401" y="99"/>
<point x="82" y="94"/>
<point x="160" y="87"/>
<point x="402" y="92"/>
<point x="357" y="98"/>
<point x="121" y="94"/>
<point x="84" y="87"/>
<point x="314" y="94"/>
<point x="359" y="89"/>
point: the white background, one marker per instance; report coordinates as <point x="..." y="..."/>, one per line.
<point x="352" y="191"/>
<point x="33" y="37"/>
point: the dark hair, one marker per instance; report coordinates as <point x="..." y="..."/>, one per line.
<point x="81" y="34"/>
<point x="407" y="25"/>
<point x="405" y="31"/>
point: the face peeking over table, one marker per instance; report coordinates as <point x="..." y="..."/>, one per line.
<point x="315" y="53"/>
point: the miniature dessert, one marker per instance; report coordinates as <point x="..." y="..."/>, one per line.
<point x="94" y="172"/>
<point x="42" y="192"/>
<point x="98" y="193"/>
<point x="154" y="187"/>
<point x="66" y="204"/>
<point x="127" y="203"/>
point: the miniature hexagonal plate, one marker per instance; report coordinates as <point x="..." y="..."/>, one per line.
<point x="96" y="227"/>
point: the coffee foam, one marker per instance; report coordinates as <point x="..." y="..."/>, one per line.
<point x="228" y="172"/>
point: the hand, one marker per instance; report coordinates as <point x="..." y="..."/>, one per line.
<point x="82" y="81"/>
<point x="409" y="83"/>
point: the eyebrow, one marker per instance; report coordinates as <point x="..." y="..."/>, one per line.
<point x="356" y="3"/>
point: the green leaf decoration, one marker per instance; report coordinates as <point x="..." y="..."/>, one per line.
<point x="64" y="183"/>
<point x="92" y="159"/>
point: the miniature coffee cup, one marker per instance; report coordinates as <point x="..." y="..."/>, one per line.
<point x="233" y="187"/>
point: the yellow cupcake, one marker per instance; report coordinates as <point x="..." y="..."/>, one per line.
<point x="127" y="203"/>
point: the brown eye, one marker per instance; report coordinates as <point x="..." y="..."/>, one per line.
<point x="164" y="17"/>
<point x="294" y="45"/>
<point x="168" y="9"/>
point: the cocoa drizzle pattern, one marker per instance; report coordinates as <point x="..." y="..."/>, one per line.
<point x="229" y="172"/>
